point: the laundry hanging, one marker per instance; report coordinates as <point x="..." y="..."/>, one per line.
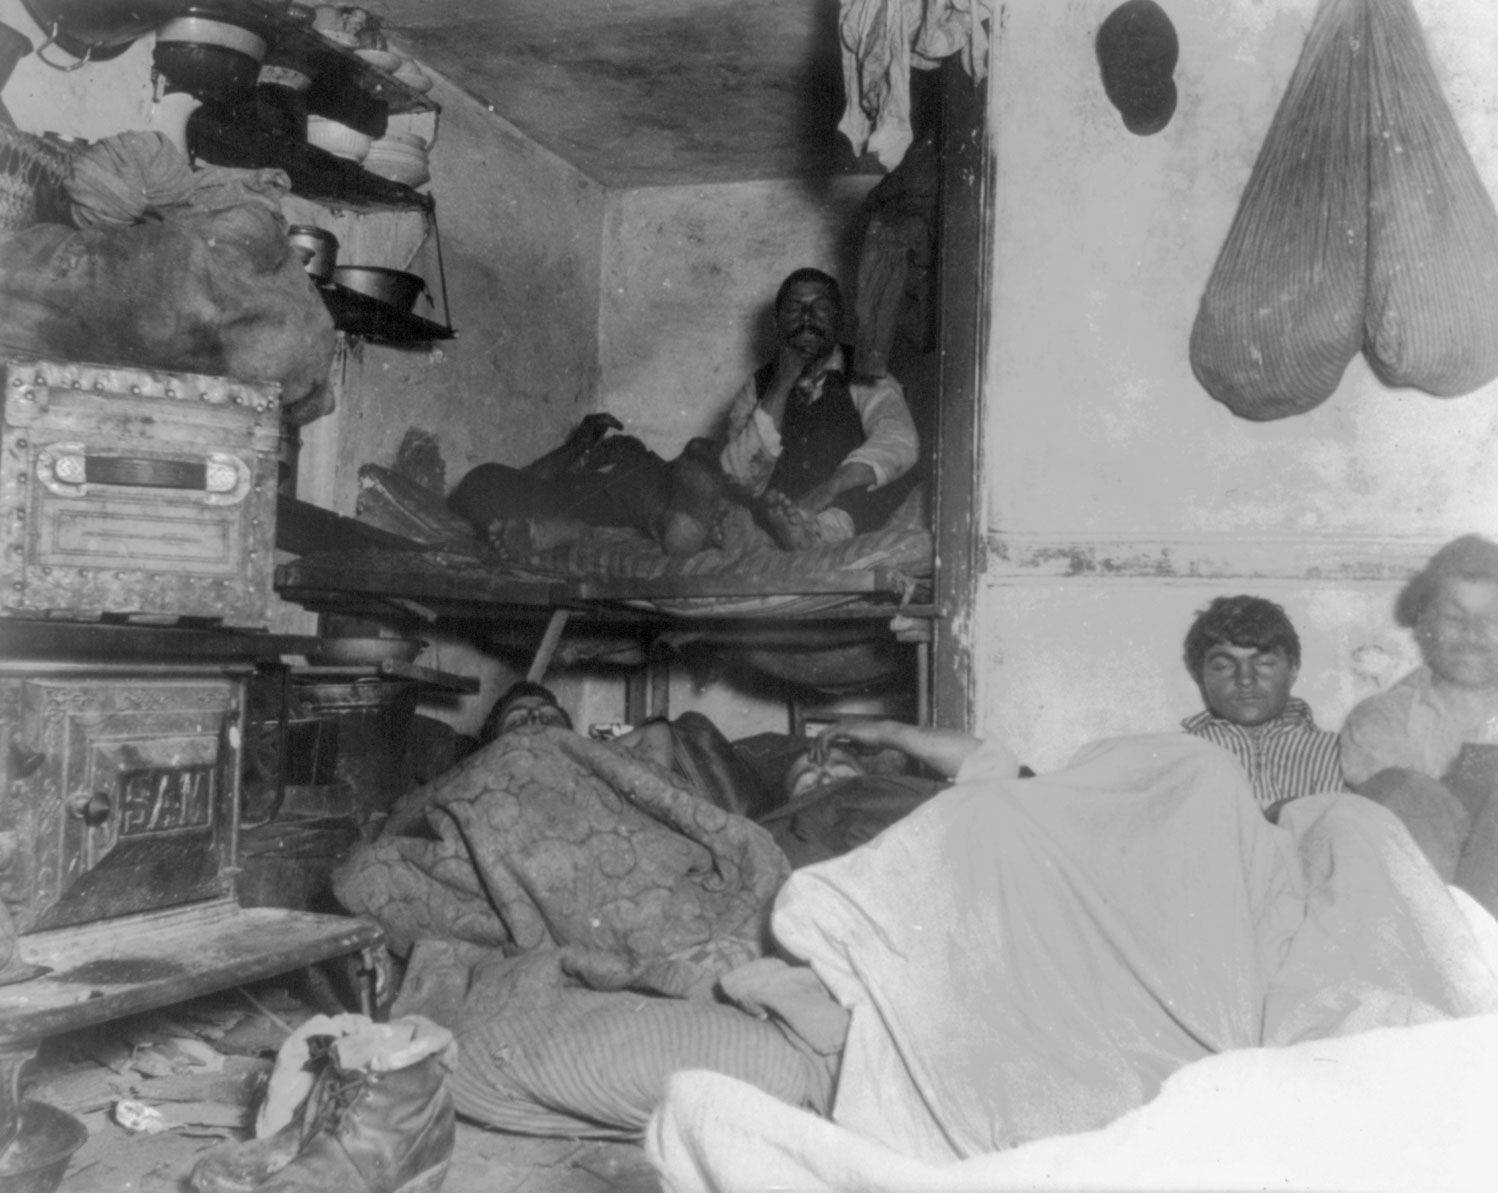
<point x="1364" y="226"/>
<point x="882" y="41"/>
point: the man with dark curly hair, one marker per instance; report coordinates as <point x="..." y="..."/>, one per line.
<point x="1244" y="655"/>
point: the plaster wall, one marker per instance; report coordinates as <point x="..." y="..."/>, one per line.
<point x="689" y="274"/>
<point x="1120" y="497"/>
<point x="520" y="236"/>
<point x="94" y="101"/>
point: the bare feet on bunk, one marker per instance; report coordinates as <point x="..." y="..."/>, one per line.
<point x="697" y="491"/>
<point x="517" y="538"/>
<point x="792" y="528"/>
<point x="682" y="534"/>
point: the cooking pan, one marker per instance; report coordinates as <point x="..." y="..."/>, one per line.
<point x="391" y="286"/>
<point x="319" y="249"/>
<point x="364" y="652"/>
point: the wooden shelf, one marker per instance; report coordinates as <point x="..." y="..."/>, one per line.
<point x="109" y="968"/>
<point x="101" y="31"/>
<point x="336" y="70"/>
<point x="224" y="136"/>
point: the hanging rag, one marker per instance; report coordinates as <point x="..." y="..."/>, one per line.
<point x="883" y="40"/>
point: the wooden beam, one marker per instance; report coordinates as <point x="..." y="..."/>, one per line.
<point x="542" y="662"/>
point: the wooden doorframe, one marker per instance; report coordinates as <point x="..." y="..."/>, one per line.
<point x="965" y="243"/>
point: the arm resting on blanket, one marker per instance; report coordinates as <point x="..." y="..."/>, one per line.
<point x="944" y="750"/>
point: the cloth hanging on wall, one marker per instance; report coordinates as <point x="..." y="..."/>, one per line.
<point x="1364" y="226"/>
<point x="883" y="40"/>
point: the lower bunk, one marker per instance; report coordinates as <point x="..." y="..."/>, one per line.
<point x="1088" y="972"/>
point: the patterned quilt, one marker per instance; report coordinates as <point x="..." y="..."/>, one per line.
<point x="546" y="838"/>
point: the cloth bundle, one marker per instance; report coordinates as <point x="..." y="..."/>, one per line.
<point x="1364" y="226"/>
<point x="883" y="40"/>
<point x="218" y="293"/>
<point x="119" y="179"/>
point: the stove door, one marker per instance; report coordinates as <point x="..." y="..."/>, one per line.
<point x="120" y="798"/>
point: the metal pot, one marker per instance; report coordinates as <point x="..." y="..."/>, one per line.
<point x="45" y="1143"/>
<point x="319" y="250"/>
<point x="209" y="55"/>
<point x="391" y="286"/>
<point x="204" y="25"/>
<point x="96" y="29"/>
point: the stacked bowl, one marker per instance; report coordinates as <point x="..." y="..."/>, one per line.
<point x="400" y="157"/>
<point x="338" y="139"/>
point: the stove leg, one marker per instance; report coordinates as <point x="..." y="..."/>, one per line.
<point x="14" y="1055"/>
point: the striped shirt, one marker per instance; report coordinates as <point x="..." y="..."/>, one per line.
<point x="1285" y="758"/>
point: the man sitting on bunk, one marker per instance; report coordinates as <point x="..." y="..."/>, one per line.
<point x="823" y="452"/>
<point x="1244" y="655"/>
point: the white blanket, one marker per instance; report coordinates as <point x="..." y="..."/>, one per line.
<point x="1029" y="959"/>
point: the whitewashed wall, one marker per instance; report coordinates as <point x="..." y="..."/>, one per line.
<point x="689" y="275"/>
<point x="1120" y="496"/>
<point x="94" y="101"/>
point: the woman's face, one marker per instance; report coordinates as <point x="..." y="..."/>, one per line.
<point x="1458" y="632"/>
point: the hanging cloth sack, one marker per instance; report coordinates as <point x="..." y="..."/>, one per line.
<point x="1283" y="310"/>
<point x="1364" y="225"/>
<point x="1432" y="316"/>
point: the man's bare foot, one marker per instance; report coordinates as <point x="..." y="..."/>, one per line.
<point x="681" y="534"/>
<point x="792" y="528"/>
<point x="516" y="538"/>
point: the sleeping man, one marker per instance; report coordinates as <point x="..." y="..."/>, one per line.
<point x="824" y="452"/>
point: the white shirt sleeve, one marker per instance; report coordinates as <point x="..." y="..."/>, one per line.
<point x="753" y="445"/>
<point x="991" y="760"/>
<point x="891" y="445"/>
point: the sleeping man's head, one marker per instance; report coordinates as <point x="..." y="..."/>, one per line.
<point x="1245" y="656"/>
<point x="523" y="703"/>
<point x="806" y="774"/>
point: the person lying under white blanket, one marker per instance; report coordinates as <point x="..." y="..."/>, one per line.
<point x="1026" y="961"/>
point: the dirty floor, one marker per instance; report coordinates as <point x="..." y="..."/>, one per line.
<point x="159" y="1089"/>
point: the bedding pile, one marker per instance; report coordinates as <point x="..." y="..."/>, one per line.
<point x="567" y="910"/>
<point x="1033" y="959"/>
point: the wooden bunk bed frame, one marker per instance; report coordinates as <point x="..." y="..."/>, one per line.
<point x="364" y="585"/>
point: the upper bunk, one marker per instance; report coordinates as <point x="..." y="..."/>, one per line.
<point x="406" y="550"/>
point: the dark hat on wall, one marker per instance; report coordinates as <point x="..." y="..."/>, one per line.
<point x="1137" y="51"/>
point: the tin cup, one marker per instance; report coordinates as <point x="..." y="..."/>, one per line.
<point x="318" y="248"/>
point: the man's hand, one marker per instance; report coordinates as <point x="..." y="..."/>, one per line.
<point x="857" y="475"/>
<point x="868" y="735"/>
<point x="591" y="431"/>
<point x="944" y="750"/>
<point x="790" y="366"/>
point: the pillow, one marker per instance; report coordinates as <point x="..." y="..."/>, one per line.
<point x="541" y="1055"/>
<point x="398" y="504"/>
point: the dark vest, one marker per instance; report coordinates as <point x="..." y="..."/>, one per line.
<point x="815" y="437"/>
